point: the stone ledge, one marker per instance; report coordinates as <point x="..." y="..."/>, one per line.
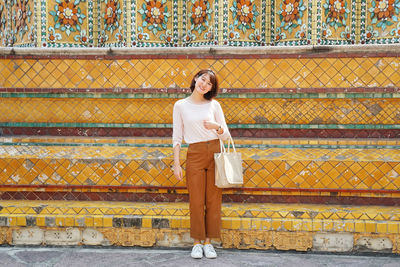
<point x="307" y="50"/>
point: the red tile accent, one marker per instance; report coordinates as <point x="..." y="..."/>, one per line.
<point x="186" y="90"/>
<point x="170" y="197"/>
<point x="159" y="132"/>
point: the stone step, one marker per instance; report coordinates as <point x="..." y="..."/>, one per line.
<point x="344" y="167"/>
<point x="262" y="110"/>
<point x="262" y="226"/>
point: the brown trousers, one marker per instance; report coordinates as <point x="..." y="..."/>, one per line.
<point x="204" y="197"/>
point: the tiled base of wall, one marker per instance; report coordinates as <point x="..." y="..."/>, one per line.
<point x="302" y="227"/>
<point x="239" y="239"/>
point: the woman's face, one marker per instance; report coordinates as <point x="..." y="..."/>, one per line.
<point x="203" y="84"/>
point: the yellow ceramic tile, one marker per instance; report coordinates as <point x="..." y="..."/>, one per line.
<point x="107" y="221"/>
<point x="256" y="224"/>
<point x="98" y="221"/>
<point x="246" y="223"/>
<point x="306" y="225"/>
<point x="276" y="225"/>
<point x="89" y="221"/>
<point x="226" y="223"/>
<point x="146" y="222"/>
<point x="317" y="225"/>
<point x="60" y="221"/>
<point x="40" y="221"/>
<point x="382" y="227"/>
<point x="12" y="221"/>
<point x="21" y="221"/>
<point x="393" y="227"/>
<point x="370" y="227"/>
<point x="185" y="223"/>
<point x="69" y="221"/>
<point x="235" y="223"/>
<point x="328" y="225"/>
<point x="175" y="222"/>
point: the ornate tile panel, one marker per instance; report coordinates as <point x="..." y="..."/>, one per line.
<point x="200" y="22"/>
<point x="23" y="22"/>
<point x="5" y="27"/>
<point x="244" y="23"/>
<point x="112" y="23"/>
<point x="291" y="22"/>
<point x="67" y="23"/>
<point x="160" y="23"/>
<point x="336" y="22"/>
<point x="380" y="21"/>
<point x="154" y="23"/>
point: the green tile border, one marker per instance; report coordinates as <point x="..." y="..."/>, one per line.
<point x="183" y="95"/>
<point x="232" y="126"/>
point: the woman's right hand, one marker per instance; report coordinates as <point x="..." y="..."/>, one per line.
<point x="178" y="172"/>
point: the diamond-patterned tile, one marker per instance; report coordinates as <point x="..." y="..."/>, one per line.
<point x="236" y="72"/>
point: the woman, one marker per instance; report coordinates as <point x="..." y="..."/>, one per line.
<point x="199" y="120"/>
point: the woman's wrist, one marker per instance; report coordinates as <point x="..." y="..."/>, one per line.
<point x="219" y="129"/>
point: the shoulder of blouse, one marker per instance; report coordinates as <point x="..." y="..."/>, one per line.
<point x="180" y="101"/>
<point x="178" y="104"/>
<point x="215" y="103"/>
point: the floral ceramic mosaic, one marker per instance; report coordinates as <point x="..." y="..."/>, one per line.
<point x="17" y="23"/>
<point x="336" y="22"/>
<point x="3" y="23"/>
<point x="160" y="23"/>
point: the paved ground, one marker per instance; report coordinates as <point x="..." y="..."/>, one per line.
<point x="61" y="256"/>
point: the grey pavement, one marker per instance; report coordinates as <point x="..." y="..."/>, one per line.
<point x="80" y="256"/>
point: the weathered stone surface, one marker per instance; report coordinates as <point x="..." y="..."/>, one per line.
<point x="300" y="241"/>
<point x="27" y="236"/>
<point x="378" y="244"/>
<point x="342" y="242"/>
<point x="93" y="237"/>
<point x="5" y="235"/>
<point x="68" y="236"/>
<point x="246" y="239"/>
<point x="129" y="237"/>
<point x="173" y="238"/>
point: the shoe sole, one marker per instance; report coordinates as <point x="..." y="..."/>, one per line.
<point x="197" y="258"/>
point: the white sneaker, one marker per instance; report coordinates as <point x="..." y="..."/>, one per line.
<point x="209" y="251"/>
<point x="197" y="251"/>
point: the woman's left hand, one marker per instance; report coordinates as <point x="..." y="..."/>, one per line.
<point x="210" y="125"/>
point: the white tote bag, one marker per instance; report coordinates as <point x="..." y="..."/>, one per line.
<point x="228" y="167"/>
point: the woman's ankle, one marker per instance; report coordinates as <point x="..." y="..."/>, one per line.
<point x="196" y="242"/>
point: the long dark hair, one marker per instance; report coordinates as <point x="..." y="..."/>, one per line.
<point x="214" y="81"/>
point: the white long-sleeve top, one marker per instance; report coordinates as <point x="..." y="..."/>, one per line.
<point x="188" y="122"/>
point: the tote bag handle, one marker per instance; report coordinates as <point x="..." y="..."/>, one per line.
<point x="230" y="143"/>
